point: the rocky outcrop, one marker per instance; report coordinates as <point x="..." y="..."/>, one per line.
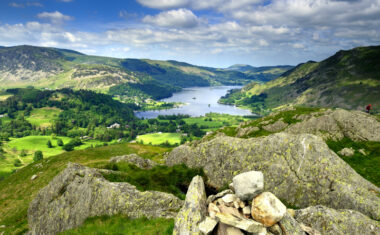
<point x="80" y="192"/>
<point x="299" y="169"/>
<point x="328" y="124"/>
<point x="193" y="211"/>
<point x="135" y="160"/>
<point x="329" y="221"/>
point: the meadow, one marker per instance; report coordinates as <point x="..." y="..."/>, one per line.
<point x="160" y="138"/>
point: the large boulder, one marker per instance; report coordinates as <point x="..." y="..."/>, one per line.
<point x="193" y="211"/>
<point x="267" y="209"/>
<point x="135" y="160"/>
<point x="299" y="169"/>
<point x="80" y="192"/>
<point x="329" y="221"/>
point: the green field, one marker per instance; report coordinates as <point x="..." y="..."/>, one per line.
<point x="30" y="144"/>
<point x="43" y="117"/>
<point x="214" y="121"/>
<point x="14" y="201"/>
<point x="160" y="138"/>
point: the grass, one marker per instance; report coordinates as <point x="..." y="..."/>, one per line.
<point x="120" y="224"/>
<point x="43" y="117"/>
<point x="160" y="138"/>
<point x="214" y="121"/>
<point x="17" y="191"/>
<point x="175" y="179"/>
<point x="367" y="166"/>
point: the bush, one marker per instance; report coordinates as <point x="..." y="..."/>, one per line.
<point x="23" y="153"/>
<point x="17" y="163"/>
<point x="38" y="156"/>
<point x="49" y="144"/>
<point x="68" y="147"/>
<point x="59" y="142"/>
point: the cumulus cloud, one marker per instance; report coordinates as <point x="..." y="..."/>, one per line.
<point x="164" y="4"/>
<point x="182" y="18"/>
<point x="55" y="17"/>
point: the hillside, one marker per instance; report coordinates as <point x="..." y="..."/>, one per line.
<point x="262" y="74"/>
<point x="349" y="79"/>
<point x="53" y="68"/>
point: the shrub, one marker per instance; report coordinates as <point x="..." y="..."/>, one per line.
<point x="68" y="147"/>
<point x="23" y="153"/>
<point x="17" y="163"/>
<point x="49" y="144"/>
<point x="59" y="142"/>
<point x="38" y="156"/>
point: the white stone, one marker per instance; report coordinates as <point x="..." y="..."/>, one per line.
<point x="249" y="184"/>
<point x="241" y="223"/>
<point x="229" y="198"/>
<point x="33" y="177"/>
<point x="247" y="210"/>
<point x="207" y="225"/>
<point x="347" y="152"/>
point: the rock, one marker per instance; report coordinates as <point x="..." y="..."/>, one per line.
<point x="2" y="226"/>
<point x="246" y="131"/>
<point x="231" y="186"/>
<point x="193" y="211"/>
<point x="308" y="230"/>
<point x="291" y="212"/>
<point x="299" y="169"/>
<point x="33" y="177"/>
<point x="207" y="225"/>
<point x="362" y="151"/>
<point x="275" y="229"/>
<point x="224" y="229"/>
<point x="248" y="184"/>
<point x="212" y="198"/>
<point x="290" y="226"/>
<point x="347" y="152"/>
<point x="267" y="209"/>
<point x="229" y="198"/>
<point x="212" y="210"/>
<point x="230" y="210"/>
<point x="135" y="160"/>
<point x="247" y="210"/>
<point x="80" y="192"/>
<point x="275" y="127"/>
<point x="331" y="221"/>
<point x="241" y="223"/>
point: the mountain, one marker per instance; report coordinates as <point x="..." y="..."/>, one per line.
<point x="53" y="68"/>
<point x="349" y="79"/>
<point x="263" y="74"/>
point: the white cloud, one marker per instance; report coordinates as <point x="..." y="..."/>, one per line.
<point x="298" y="45"/>
<point x="164" y="4"/>
<point x="16" y="5"/>
<point x="55" y="17"/>
<point x="182" y="18"/>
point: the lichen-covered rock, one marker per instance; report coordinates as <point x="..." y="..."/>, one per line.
<point x="290" y="226"/>
<point x="212" y="198"/>
<point x="276" y="127"/>
<point x="193" y="211"/>
<point x="135" y="160"/>
<point x="299" y="169"/>
<point x="248" y="184"/>
<point x="247" y="225"/>
<point x="208" y="225"/>
<point x="329" y="221"/>
<point x="80" y="192"/>
<point x="267" y="209"/>
<point x="347" y="152"/>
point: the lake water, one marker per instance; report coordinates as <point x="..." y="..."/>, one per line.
<point x="198" y="101"/>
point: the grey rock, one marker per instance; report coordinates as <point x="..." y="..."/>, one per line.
<point x="245" y="131"/>
<point x="299" y="169"/>
<point x="275" y="127"/>
<point x="193" y="211"/>
<point x="330" y="221"/>
<point x="362" y="151"/>
<point x="290" y="226"/>
<point x="347" y="152"/>
<point x="248" y="184"/>
<point x="309" y="230"/>
<point x="208" y="225"/>
<point x="248" y="225"/>
<point x="224" y="229"/>
<point x="275" y="229"/>
<point x="135" y="160"/>
<point x="80" y="192"/>
<point x="212" y="198"/>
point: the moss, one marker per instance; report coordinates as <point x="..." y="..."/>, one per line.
<point x="366" y="165"/>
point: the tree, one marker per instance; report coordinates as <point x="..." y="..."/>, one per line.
<point x="38" y="156"/>
<point x="59" y="142"/>
<point x="68" y="147"/>
<point x="49" y="144"/>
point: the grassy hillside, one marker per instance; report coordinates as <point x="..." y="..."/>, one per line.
<point x="14" y="201"/>
<point x="262" y="74"/>
<point x="349" y="79"/>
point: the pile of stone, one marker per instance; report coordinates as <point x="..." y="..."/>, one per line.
<point x="242" y="209"/>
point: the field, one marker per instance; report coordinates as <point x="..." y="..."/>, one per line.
<point x="43" y="117"/>
<point x="214" y="121"/>
<point x="14" y="201"/>
<point x="160" y="138"/>
<point x="30" y="144"/>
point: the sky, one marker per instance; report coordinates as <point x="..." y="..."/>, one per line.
<point x="216" y="33"/>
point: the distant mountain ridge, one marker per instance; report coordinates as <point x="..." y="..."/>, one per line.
<point x="349" y="79"/>
<point x="263" y="73"/>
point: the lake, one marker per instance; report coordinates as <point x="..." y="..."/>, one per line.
<point x="197" y="102"/>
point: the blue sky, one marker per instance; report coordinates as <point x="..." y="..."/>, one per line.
<point x="215" y="33"/>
